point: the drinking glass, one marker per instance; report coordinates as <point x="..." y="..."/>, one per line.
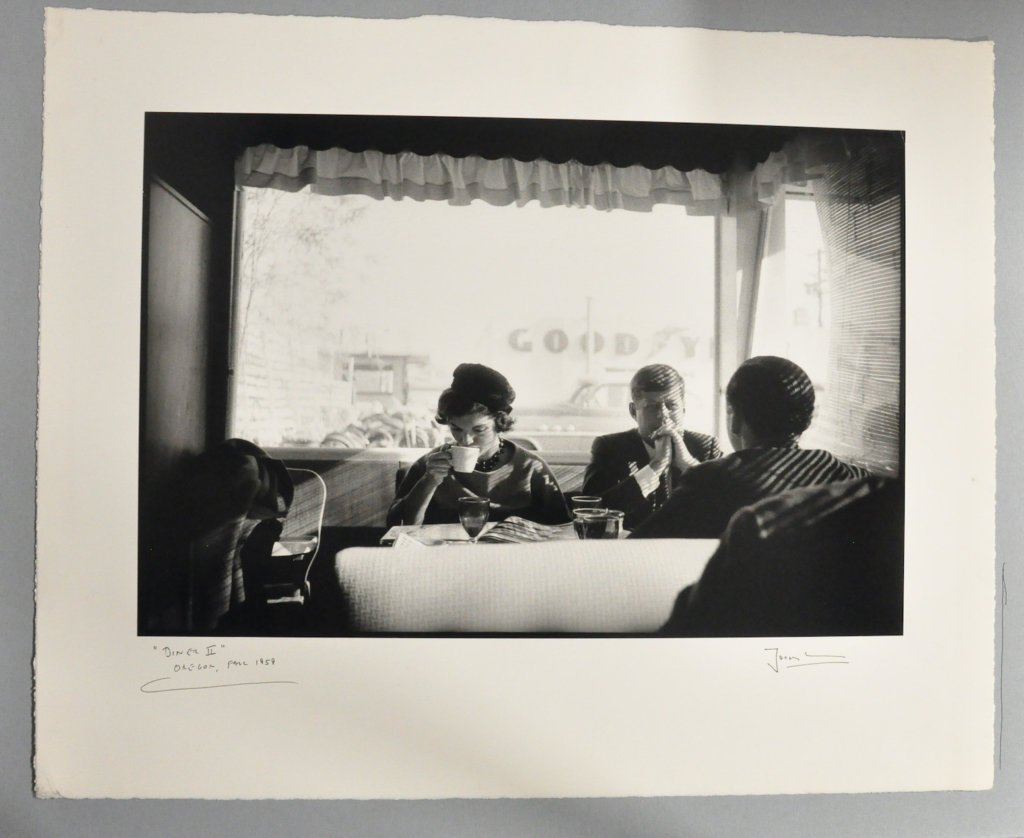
<point x="612" y="523"/>
<point x="473" y="513"/>
<point x="585" y="502"/>
<point x="588" y="523"/>
<point x="597" y="523"/>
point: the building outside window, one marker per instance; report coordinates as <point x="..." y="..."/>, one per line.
<point x="351" y="314"/>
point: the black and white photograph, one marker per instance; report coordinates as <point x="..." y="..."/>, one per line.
<point x="450" y="408"/>
<point x="428" y="375"/>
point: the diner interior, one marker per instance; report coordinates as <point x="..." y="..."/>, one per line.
<point x="333" y="412"/>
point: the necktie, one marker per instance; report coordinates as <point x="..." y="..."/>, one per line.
<point x="664" y="489"/>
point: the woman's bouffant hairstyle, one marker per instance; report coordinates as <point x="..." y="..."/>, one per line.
<point x="773" y="396"/>
<point x="477" y="389"/>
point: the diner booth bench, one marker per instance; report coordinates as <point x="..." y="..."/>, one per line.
<point x="361" y="482"/>
<point x="554" y="587"/>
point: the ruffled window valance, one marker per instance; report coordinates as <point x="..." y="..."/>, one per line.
<point x="505" y="181"/>
<point x="459" y="180"/>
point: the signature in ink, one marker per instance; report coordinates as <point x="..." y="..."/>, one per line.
<point x="778" y="660"/>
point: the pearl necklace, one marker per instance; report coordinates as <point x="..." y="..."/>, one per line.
<point x="491" y="463"/>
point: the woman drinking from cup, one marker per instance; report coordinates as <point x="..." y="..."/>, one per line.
<point x="481" y="463"/>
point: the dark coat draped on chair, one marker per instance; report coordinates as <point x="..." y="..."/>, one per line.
<point x="229" y="506"/>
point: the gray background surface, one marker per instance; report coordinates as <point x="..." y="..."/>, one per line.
<point x="999" y="812"/>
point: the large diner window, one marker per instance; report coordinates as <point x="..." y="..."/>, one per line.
<point x="362" y="278"/>
<point x="352" y="312"/>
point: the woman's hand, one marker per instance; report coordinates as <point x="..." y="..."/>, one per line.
<point x="438" y="464"/>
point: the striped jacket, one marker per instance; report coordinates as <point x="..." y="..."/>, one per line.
<point x="706" y="497"/>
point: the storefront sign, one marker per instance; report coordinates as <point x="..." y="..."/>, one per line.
<point x="557" y="341"/>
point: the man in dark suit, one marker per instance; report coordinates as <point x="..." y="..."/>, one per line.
<point x="635" y="470"/>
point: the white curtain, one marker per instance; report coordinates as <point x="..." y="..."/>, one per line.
<point x="459" y="180"/>
<point x="807" y="157"/>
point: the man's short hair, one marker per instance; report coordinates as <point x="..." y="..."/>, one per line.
<point x="774" y="396"/>
<point x="657" y="378"/>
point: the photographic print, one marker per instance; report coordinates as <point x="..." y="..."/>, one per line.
<point x="488" y="427"/>
<point x="311" y="282"/>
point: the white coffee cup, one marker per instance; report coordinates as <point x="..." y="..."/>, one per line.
<point x="464" y="457"/>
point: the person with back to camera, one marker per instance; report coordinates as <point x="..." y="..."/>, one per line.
<point x="769" y="404"/>
<point x="476" y="408"/>
<point x="634" y="470"/>
<point x="819" y="560"/>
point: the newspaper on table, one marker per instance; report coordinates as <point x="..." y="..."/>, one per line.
<point x="513" y="530"/>
<point x="518" y="530"/>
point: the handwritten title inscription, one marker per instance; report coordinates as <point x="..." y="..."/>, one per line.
<point x="779" y="660"/>
<point x="209" y="666"/>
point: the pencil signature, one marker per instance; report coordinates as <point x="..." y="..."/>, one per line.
<point x="778" y="660"/>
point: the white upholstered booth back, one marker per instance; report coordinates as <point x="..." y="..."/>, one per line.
<point x="561" y="586"/>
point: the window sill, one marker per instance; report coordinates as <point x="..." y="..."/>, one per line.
<point x="296" y="454"/>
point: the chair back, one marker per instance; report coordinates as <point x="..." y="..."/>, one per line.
<point x="306" y="515"/>
<point x="297" y="546"/>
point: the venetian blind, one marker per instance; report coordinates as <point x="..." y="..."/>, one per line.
<point x="860" y="206"/>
